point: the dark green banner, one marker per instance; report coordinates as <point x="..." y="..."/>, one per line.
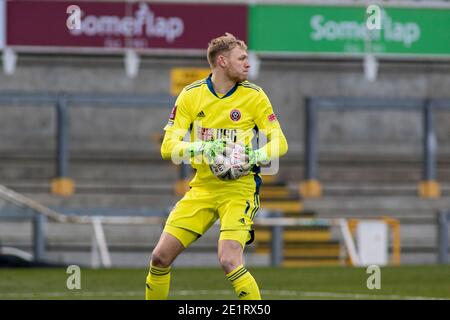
<point x="343" y="30"/>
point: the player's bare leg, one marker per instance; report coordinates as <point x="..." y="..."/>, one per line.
<point x="158" y="279"/>
<point x="165" y="252"/>
<point x="231" y="259"/>
<point x="230" y="255"/>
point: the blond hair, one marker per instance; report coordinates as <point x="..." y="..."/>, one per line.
<point x="222" y="44"/>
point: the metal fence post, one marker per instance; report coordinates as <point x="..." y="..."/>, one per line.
<point x="310" y="187"/>
<point x="276" y="257"/>
<point x="62" y="169"/>
<point x="429" y="187"/>
<point x="310" y="142"/>
<point x="429" y="144"/>
<point x="39" y="222"/>
<point x="62" y="184"/>
<point x="443" y="221"/>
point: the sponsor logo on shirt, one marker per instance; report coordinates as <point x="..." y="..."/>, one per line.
<point x="205" y="134"/>
<point x="227" y="134"/>
<point x="208" y="134"/>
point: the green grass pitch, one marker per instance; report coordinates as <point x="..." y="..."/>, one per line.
<point x="402" y="282"/>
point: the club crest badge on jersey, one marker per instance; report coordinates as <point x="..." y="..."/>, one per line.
<point x="235" y="115"/>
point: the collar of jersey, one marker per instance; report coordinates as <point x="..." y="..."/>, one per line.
<point x="211" y="88"/>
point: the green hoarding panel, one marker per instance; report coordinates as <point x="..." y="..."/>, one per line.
<point x="343" y="30"/>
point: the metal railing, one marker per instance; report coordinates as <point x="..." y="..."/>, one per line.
<point x="99" y="249"/>
<point x="63" y="101"/>
<point x="41" y="215"/>
<point x="314" y="105"/>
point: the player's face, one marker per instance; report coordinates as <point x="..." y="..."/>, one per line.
<point x="237" y="64"/>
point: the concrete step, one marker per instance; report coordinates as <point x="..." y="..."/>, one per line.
<point x="310" y="262"/>
<point x="151" y="199"/>
<point x="338" y="175"/>
<point x="379" y="189"/>
<point x="92" y="171"/>
<point x="285" y="206"/>
<point x="269" y="191"/>
<point x="291" y="235"/>
<point x="330" y="250"/>
<point x="402" y="175"/>
<point x="96" y="187"/>
<point x="373" y="167"/>
<point x="376" y="206"/>
<point x="122" y="165"/>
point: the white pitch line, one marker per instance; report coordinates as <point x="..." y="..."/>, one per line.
<point x="336" y="295"/>
<point x="69" y="294"/>
<point x="347" y="295"/>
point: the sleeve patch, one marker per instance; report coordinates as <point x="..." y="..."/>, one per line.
<point x="272" y="117"/>
<point x="173" y="113"/>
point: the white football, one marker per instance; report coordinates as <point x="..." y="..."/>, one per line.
<point x="232" y="165"/>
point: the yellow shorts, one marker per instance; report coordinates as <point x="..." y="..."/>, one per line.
<point x="200" y="208"/>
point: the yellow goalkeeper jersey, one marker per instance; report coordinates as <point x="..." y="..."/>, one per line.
<point x="238" y="116"/>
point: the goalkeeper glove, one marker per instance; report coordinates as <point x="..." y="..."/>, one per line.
<point x="209" y="149"/>
<point x="256" y="157"/>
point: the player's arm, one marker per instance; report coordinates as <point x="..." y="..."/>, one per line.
<point x="173" y="147"/>
<point x="175" y="130"/>
<point x="267" y="122"/>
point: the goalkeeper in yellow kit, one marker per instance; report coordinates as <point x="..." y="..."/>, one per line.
<point x="222" y="112"/>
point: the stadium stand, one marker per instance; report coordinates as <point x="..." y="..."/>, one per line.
<point x="369" y="162"/>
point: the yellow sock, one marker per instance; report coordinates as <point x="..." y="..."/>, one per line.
<point x="157" y="283"/>
<point x="244" y="284"/>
